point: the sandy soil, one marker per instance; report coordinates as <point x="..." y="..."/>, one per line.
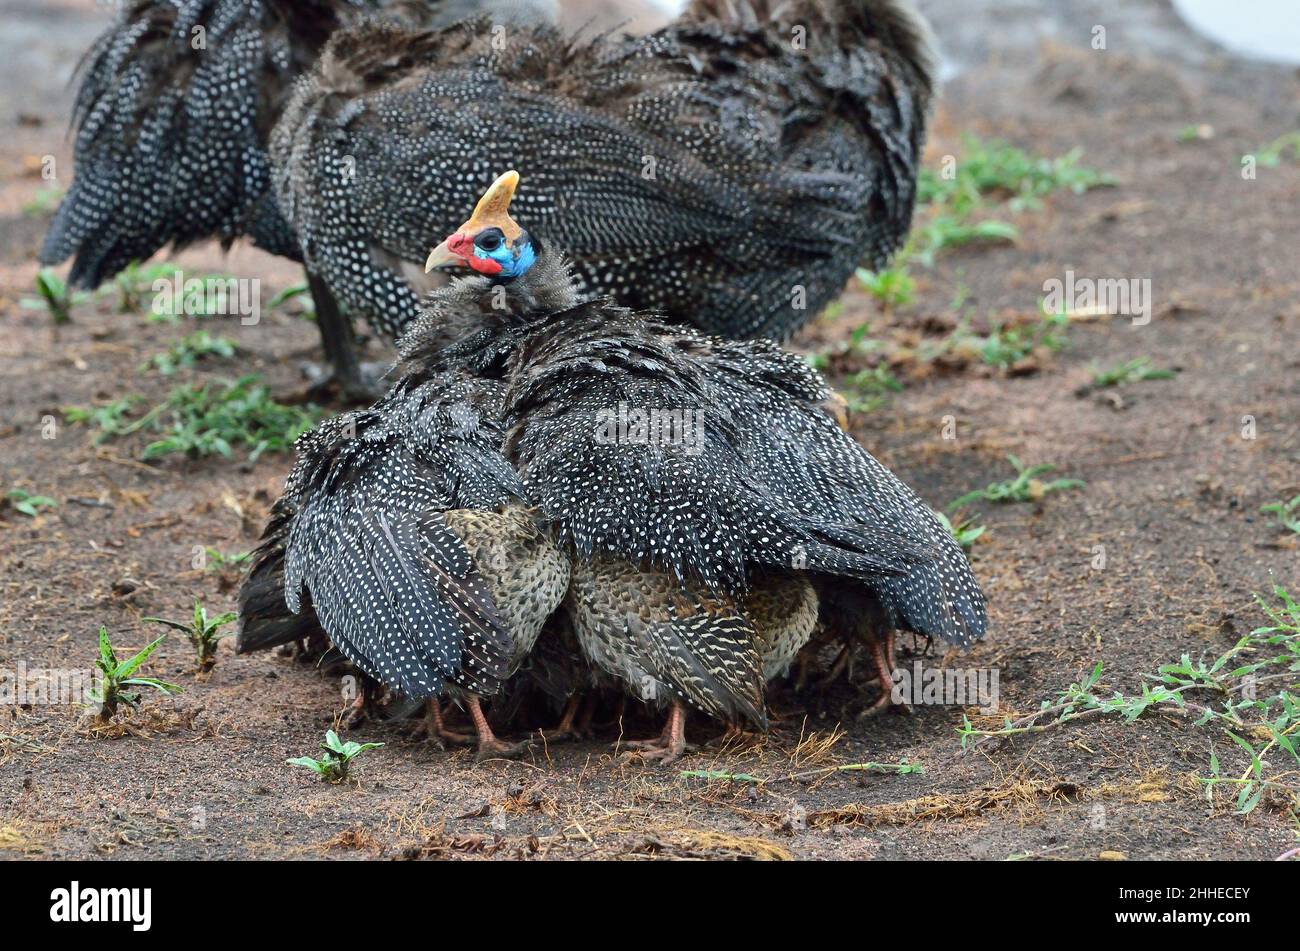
<point x="1173" y="493"/>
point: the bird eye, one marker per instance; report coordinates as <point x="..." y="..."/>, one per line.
<point x="489" y="240"/>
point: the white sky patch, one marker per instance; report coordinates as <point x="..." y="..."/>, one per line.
<point x="1264" y="29"/>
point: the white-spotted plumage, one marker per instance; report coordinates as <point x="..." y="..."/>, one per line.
<point x="730" y="534"/>
<point x="715" y="171"/>
<point x="174" y="112"/>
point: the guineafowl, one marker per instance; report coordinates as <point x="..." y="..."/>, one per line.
<point x="698" y="491"/>
<point x="730" y="170"/>
<point x="175" y="108"/>
<point x="401" y="534"/>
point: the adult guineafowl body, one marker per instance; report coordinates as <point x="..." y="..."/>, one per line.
<point x="173" y="116"/>
<point x="698" y="493"/>
<point x="730" y="170"/>
<point x="176" y="103"/>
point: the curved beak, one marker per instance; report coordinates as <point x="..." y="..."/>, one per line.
<point x="442" y="256"/>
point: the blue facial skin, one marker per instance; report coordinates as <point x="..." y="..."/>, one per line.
<point x="514" y="261"/>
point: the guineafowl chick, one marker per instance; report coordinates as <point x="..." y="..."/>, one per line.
<point x="526" y="576"/>
<point x="669" y="644"/>
<point x="401" y="534"/>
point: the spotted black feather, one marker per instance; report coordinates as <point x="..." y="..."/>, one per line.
<point x="173" y="114"/>
<point x="731" y="169"/>
<point x="766" y="478"/>
<point x="819" y="470"/>
<point x="363" y="530"/>
<point x="176" y="103"/>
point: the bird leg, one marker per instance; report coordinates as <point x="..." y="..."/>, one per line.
<point x="489" y="747"/>
<point x="572" y="725"/>
<point x="356" y="714"/>
<point x="588" y="714"/>
<point x="436" y="732"/>
<point x="882" y="655"/>
<point x="670" y="744"/>
<point x="736" y="736"/>
<point x="305" y="650"/>
<point x="365" y="704"/>
<point x="340" y="348"/>
<point x="843" y="665"/>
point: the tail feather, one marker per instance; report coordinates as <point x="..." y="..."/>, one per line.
<point x="265" y="620"/>
<point x="360" y="539"/>
<point x="896" y="25"/>
<point x="174" y="109"/>
<point x="402" y="601"/>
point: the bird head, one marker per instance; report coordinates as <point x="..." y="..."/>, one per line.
<point x="490" y="242"/>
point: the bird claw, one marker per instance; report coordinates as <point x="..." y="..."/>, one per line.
<point x="499" y="749"/>
<point x="456" y="739"/>
<point x="736" y="738"/>
<point x="653" y="753"/>
<point x="884" y="703"/>
<point x="423" y="732"/>
<point x="573" y="735"/>
<point x="656" y="750"/>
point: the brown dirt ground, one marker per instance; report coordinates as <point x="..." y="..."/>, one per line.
<point x="1173" y="493"/>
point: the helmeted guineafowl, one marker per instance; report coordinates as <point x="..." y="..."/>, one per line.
<point x="699" y="492"/>
<point x="730" y="170"/>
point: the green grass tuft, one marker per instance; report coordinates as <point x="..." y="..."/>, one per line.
<point x="1025" y="487"/>
<point x="1132" y="371"/>
<point x="188" y="351"/>
<point x="203" y="632"/>
<point x="1250" y="692"/>
<point x="964" y="531"/>
<point x="27" y="504"/>
<point x="208" y="419"/>
<point x="1288" y="514"/>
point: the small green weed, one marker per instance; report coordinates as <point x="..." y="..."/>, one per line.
<point x="28" y="504"/>
<point x="1132" y="371"/>
<point x="893" y="286"/>
<point x="1288" y="514"/>
<point x="191" y="349"/>
<point x="55" y="297"/>
<point x="118" y="677"/>
<point x="1271" y="155"/>
<point x="44" y="201"/>
<point x="333" y="766"/>
<point x="868" y="390"/>
<point x="965" y="531"/>
<point x="203" y="632"/>
<point x="1025" y="487"/>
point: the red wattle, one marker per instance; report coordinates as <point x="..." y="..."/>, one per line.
<point x="484" y="265"/>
